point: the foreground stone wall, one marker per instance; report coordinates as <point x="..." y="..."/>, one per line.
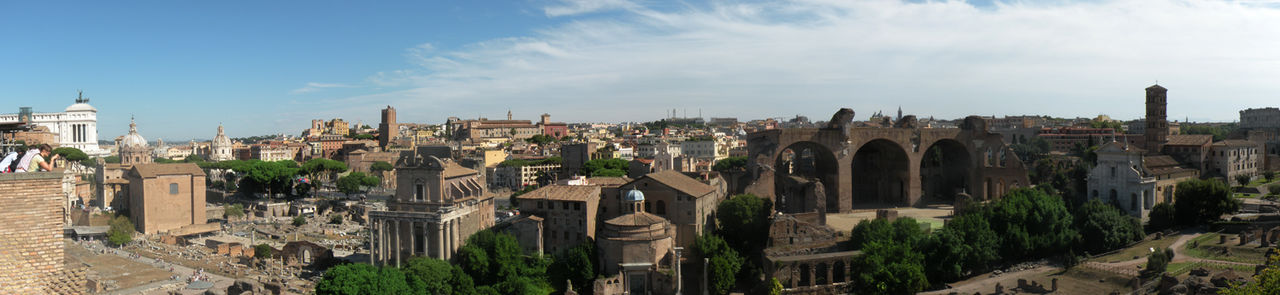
<point x="31" y="252"/>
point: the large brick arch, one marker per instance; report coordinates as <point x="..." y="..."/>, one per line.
<point x="982" y="149"/>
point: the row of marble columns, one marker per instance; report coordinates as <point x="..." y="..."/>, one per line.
<point x="396" y="240"/>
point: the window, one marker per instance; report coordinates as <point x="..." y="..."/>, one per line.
<point x="419" y="191"/>
<point x="577" y="206"/>
<point x="564" y="205"/>
<point x="1113" y="171"/>
<point x="173" y="188"/>
<point x="539" y="204"/>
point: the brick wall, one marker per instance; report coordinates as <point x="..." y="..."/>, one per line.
<point x="31" y="250"/>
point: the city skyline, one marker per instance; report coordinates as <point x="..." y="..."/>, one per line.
<point x="181" y="72"/>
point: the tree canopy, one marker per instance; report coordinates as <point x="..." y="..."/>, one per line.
<point x="605" y="167"/>
<point x="729" y="164"/>
<point x="359" y="278"/>
<point x="71" y="154"/>
<point x="723" y="263"/>
<point x="1202" y="201"/>
<point x="354" y="182"/>
<point x="525" y="162"/>
<point x="381" y="166"/>
<point x="1103" y="227"/>
<point x="1032" y="223"/>
<point x="121" y="231"/>
<point x="744" y="222"/>
<point x="575" y="265"/>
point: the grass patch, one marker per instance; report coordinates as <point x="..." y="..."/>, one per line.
<point x="1141" y="250"/>
<point x="1206" y="247"/>
<point x="1179" y="268"/>
<point x="1245" y="196"/>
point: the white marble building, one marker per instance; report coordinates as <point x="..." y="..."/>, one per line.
<point x="76" y="126"/>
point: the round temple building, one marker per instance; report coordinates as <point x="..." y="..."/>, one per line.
<point x="637" y="251"/>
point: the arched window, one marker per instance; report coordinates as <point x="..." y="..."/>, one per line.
<point x="1115" y="198"/>
<point x="1133" y="202"/>
<point x="662" y="208"/>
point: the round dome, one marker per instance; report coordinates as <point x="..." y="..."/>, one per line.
<point x="133" y="139"/>
<point x="81" y="107"/>
<point x="221" y="139"/>
<point x="634" y="196"/>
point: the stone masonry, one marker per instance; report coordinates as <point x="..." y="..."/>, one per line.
<point x="31" y="252"/>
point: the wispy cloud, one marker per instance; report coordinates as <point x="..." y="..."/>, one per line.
<point x="313" y="87"/>
<point x="575" y="7"/>
<point x="780" y="58"/>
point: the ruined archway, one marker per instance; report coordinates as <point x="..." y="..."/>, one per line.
<point x="945" y="171"/>
<point x="880" y="174"/>
<point x="799" y="167"/>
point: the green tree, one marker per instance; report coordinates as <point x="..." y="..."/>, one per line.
<point x="540" y="139"/>
<point x="267" y="176"/>
<point x="1268" y="175"/>
<point x="965" y="245"/>
<point x="738" y="163"/>
<point x="233" y="210"/>
<point x="744" y="222"/>
<point x="71" y="154"/>
<point x="359" y="278"/>
<point x="1202" y="201"/>
<point x="903" y="230"/>
<point x="435" y="274"/>
<point x="112" y="159"/>
<point x="299" y="220"/>
<point x="496" y="261"/>
<point x="1243" y="179"/>
<point x="1163" y="216"/>
<point x="888" y="267"/>
<point x="322" y="167"/>
<point x="723" y="263"/>
<point x="354" y="182"/>
<point x="1103" y="227"/>
<point x="595" y="167"/>
<point x="263" y="251"/>
<point x="575" y="265"/>
<point x="121" y="231"/>
<point x="1159" y="260"/>
<point x="381" y="166"/>
<point x="1031" y="223"/>
<point x="609" y="173"/>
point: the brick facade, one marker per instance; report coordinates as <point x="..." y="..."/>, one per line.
<point x="31" y="253"/>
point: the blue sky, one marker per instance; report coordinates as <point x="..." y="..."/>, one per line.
<point x="261" y="67"/>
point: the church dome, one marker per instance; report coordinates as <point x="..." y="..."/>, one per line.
<point x="81" y="107"/>
<point x="133" y="140"/>
<point x="634" y="196"/>
<point x="221" y="139"/>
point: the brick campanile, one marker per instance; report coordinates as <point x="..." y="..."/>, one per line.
<point x="1157" y="125"/>
<point x="388" y="128"/>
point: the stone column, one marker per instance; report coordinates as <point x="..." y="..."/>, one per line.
<point x="398" y="247"/>
<point x="413" y="238"/>
<point x="439" y="245"/>
<point x="795" y="275"/>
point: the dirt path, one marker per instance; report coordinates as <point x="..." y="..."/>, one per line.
<point x="985" y="283"/>
<point x="1179" y="255"/>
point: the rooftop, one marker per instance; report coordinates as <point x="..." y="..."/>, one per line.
<point x="680" y="182"/>
<point x="153" y="170"/>
<point x="563" y="193"/>
<point x="1189" y="139"/>
<point x="636" y="219"/>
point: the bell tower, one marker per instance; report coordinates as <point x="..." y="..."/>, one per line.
<point x="1157" y="124"/>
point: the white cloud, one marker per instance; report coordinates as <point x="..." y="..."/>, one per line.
<point x="946" y="59"/>
<point x="313" y="87"/>
<point x="574" y="7"/>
